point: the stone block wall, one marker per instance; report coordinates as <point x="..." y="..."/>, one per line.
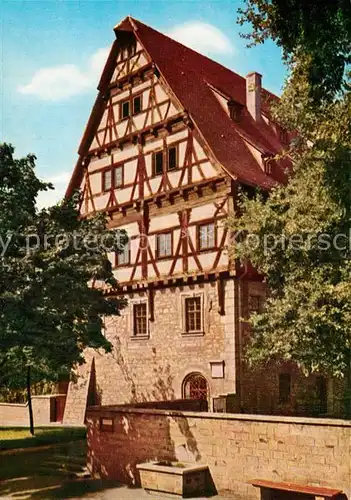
<point x="237" y="448"/>
<point x="154" y="368"/>
<point x="17" y="414"/>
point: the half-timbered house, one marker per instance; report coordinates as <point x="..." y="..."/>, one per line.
<point x="171" y="138"/>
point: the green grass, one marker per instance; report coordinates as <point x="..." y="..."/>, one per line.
<point x="18" y="437"/>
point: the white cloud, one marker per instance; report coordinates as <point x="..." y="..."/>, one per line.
<point x="202" y="37"/>
<point x="60" y="182"/>
<point x="56" y="83"/>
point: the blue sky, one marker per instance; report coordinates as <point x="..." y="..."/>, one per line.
<point x="52" y="52"/>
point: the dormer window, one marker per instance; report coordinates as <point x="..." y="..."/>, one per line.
<point x="235" y="110"/>
<point x="128" y="51"/>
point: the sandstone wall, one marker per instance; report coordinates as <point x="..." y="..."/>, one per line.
<point x="154" y="368"/>
<point x="17" y="414"/>
<point x="236" y="448"/>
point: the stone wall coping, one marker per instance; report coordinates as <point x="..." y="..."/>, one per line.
<point x="108" y="411"/>
<point x="24" y="405"/>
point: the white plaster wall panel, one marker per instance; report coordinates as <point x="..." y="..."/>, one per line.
<point x="94" y="144"/>
<point x="138" y="274"/>
<point x="95" y="182"/>
<point x="145" y="87"/>
<point x="178" y="267"/>
<point x="142" y="60"/>
<point x="182" y="134"/>
<point x="125" y="153"/>
<point x="151" y="243"/>
<point x="111" y="134"/>
<point x="152" y="146"/>
<point x="207" y="260"/>
<point x="100" y="202"/>
<point x="209" y="170"/>
<point x="202" y="212"/>
<point x="130" y="168"/>
<point x="103" y="120"/>
<point x="200" y="153"/>
<point x="134" y="248"/>
<point x="163" y="267"/>
<point x="97" y="163"/>
<point x="123" y="195"/>
<point x="121" y="96"/>
<point x="100" y="136"/>
<point x="192" y="233"/>
<point x="132" y="229"/>
<point x="122" y="274"/>
<point x="192" y="266"/>
<point x="90" y="206"/>
<point x="223" y="260"/>
<point x="148" y="164"/>
<point x="162" y="110"/>
<point x="196" y="176"/>
<point x="155" y="183"/>
<point x="181" y="153"/>
<point x="163" y="222"/>
<point x="174" y="177"/>
<point x="160" y="93"/>
<point x="122" y="128"/>
<point x="173" y="110"/>
<point x="176" y="236"/>
<point x="138" y="120"/>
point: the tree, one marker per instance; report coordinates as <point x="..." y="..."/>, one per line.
<point x="297" y="235"/>
<point x="54" y="276"/>
<point x="319" y="29"/>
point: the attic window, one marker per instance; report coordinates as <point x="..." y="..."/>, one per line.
<point x="235" y="110"/>
<point x="128" y="51"/>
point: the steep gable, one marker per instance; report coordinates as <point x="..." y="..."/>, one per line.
<point x="239" y="147"/>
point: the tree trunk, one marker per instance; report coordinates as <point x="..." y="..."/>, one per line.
<point x="347" y="393"/>
<point x="29" y="399"/>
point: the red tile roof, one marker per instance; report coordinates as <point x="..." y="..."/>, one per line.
<point x="190" y="75"/>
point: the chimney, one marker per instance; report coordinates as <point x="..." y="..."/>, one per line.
<point x="253" y="95"/>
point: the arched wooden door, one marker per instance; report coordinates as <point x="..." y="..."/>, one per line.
<point x="195" y="387"/>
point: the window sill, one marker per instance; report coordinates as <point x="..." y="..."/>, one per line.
<point x="193" y="334"/>
<point x="139" y="337"/>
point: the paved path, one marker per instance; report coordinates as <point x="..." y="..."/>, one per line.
<point x="51" y="473"/>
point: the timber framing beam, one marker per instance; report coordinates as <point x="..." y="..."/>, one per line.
<point x="156" y="284"/>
